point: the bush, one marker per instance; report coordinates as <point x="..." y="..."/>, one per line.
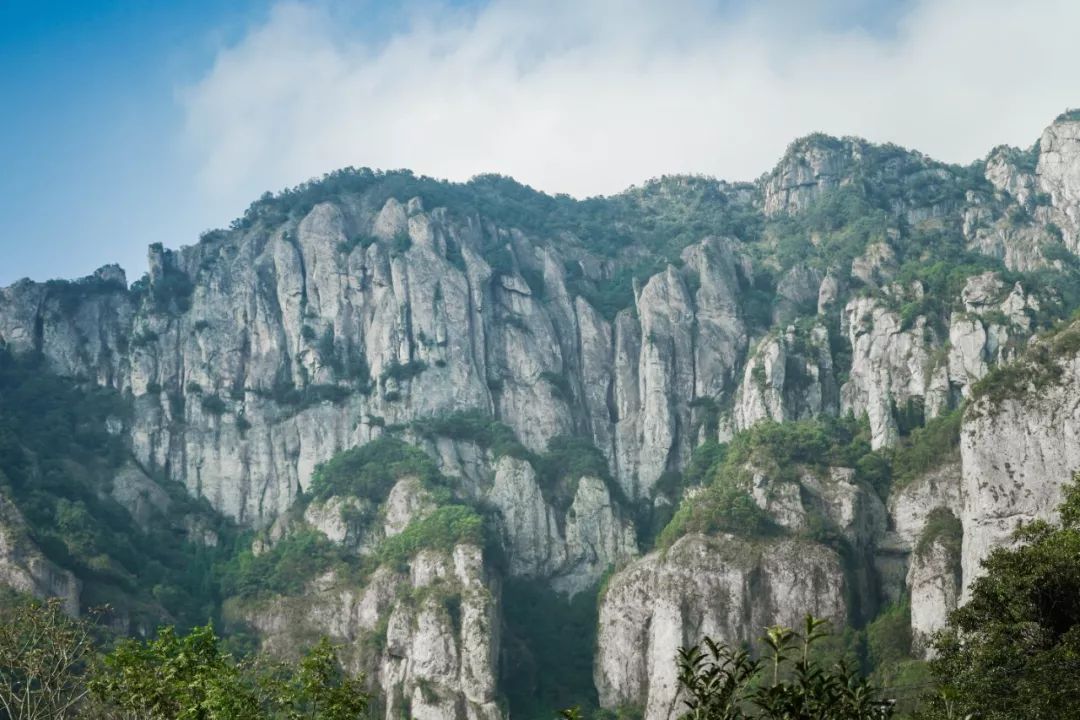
<point x="725" y="506"/>
<point x="445" y="527"/>
<point x="403" y="371"/>
<point x="284" y="569"/>
<point x="717" y="681"/>
<point x="779" y="450"/>
<point x="213" y="404"/>
<point x="356" y="241"/>
<point x="370" y="471"/>
<point x="400" y="244"/>
<point x="172" y="291"/>
<point x="926" y="448"/>
<point x="560" y="385"/>
<point x="941" y="527"/>
<point x="476" y="427"/>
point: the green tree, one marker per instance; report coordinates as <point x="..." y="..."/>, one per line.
<point x="191" y="677"/>
<point x="1013" y="651"/>
<point x="721" y="683"/>
<point x="316" y="688"/>
<point x="177" y="677"/>
<point x="43" y="659"/>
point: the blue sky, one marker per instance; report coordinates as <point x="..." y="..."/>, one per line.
<point x="92" y="171"/>
<point x="128" y="122"/>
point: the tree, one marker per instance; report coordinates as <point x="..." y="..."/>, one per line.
<point x="43" y="658"/>
<point x="1014" y="649"/>
<point x="191" y="678"/>
<point x="176" y="677"/>
<point x="320" y="690"/>
<point x="721" y="683"/>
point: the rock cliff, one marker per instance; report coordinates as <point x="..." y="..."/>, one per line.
<point x="577" y="374"/>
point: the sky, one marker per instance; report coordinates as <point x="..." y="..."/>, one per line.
<point x="126" y="122"/>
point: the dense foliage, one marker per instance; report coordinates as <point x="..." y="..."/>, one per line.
<point x="1013" y="650"/>
<point x="550" y="643"/>
<point x="476" y="427"/>
<point x="445" y="527"/>
<point x="370" y="471"/>
<point x="725" y="683"/>
<point x="781" y="451"/>
<point x="53" y="667"/>
<point x="57" y="462"/>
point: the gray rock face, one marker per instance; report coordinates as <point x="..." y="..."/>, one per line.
<point x="895" y="363"/>
<point x="810" y="167"/>
<point x="426" y="638"/>
<point x="1017" y="455"/>
<point x="1043" y="185"/>
<point x="788" y="377"/>
<point x="24" y="568"/>
<point x="571" y="549"/>
<point x="1059" y="175"/>
<point x="229" y="380"/>
<point x="935" y="585"/>
<point x="796" y="294"/>
<point x="876" y="266"/>
<point x="723" y="587"/>
<point x="890" y="367"/>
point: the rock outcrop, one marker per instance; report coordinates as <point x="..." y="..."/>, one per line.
<point x="571" y="549"/>
<point x="724" y="587"/>
<point x="427" y="637"/>
<point x="25" y="569"/>
<point x="789" y="376"/>
<point x="1019" y="447"/>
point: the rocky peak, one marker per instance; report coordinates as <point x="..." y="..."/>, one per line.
<point x="1058" y="174"/>
<point x="811" y="166"/>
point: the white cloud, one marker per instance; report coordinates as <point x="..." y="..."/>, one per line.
<point x="590" y="96"/>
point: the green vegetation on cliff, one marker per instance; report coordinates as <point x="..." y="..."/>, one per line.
<point x="58" y="461"/>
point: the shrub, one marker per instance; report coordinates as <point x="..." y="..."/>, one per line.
<point x="717" y="681"/>
<point x="400" y="244"/>
<point x="477" y="427"/>
<point x="213" y="404"/>
<point x="284" y="569"/>
<point x="403" y="371"/>
<point x="356" y="241"/>
<point x="927" y="447"/>
<point x="725" y="506"/>
<point x="535" y="280"/>
<point x="370" y="471"/>
<point x="445" y="527"/>
<point x="172" y="291"/>
<point x="944" y="527"/>
<point x="560" y="385"/>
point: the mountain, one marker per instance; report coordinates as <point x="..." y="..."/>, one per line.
<point x="512" y="450"/>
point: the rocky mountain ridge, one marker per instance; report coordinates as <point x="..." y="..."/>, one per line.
<point x="597" y="385"/>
